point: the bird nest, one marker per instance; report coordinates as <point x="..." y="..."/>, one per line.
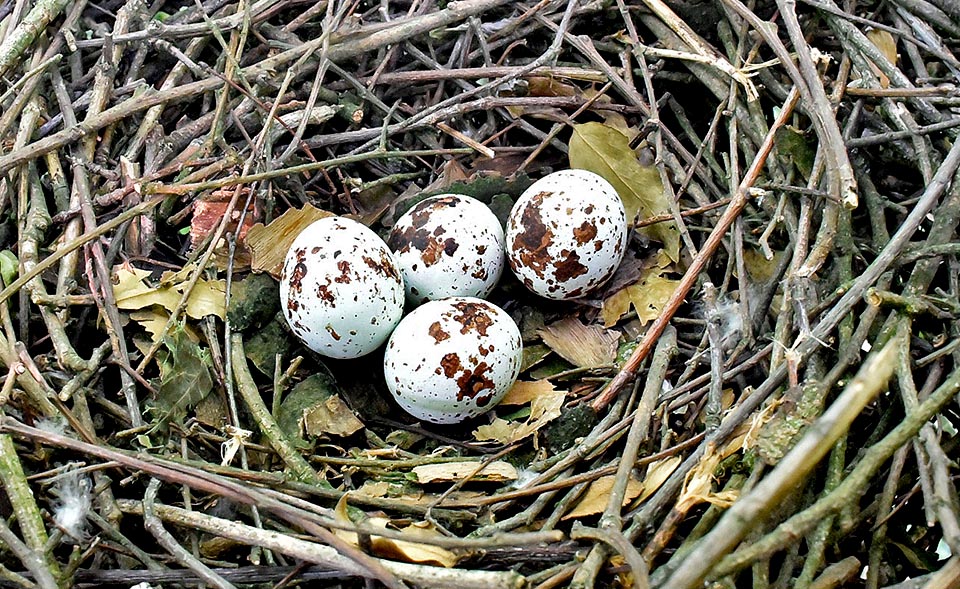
<point x="762" y="395"/>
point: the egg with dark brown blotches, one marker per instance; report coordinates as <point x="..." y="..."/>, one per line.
<point x="340" y="289"/>
<point x="566" y="234"/>
<point x="448" y="245"/>
<point x="453" y="359"/>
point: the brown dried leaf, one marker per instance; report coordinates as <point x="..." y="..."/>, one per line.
<point x="450" y="472"/>
<point x="208" y="297"/>
<point x="268" y="245"/>
<point x="333" y="417"/>
<point x="887" y="45"/>
<point x="525" y="391"/>
<point x="402" y="550"/>
<point x="648" y="296"/>
<point x="584" y="346"/>
<point x="543" y="409"/>
<point x="595" y="500"/>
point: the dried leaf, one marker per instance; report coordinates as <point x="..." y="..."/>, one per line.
<point x="402" y="550"/>
<point x="606" y="151"/>
<point x="268" y="245"/>
<point x="595" y="500"/>
<point x="582" y="345"/>
<point x="543" y="409"/>
<point x="698" y="487"/>
<point x="208" y="297"/>
<point x="657" y="473"/>
<point x="306" y="395"/>
<point x="648" y="296"/>
<point x="184" y="377"/>
<point x="887" y="44"/>
<point x="449" y="472"/>
<point x="333" y="417"/>
<point x="154" y="320"/>
<point x="525" y="391"/>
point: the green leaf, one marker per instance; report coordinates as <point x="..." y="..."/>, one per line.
<point x="604" y="150"/>
<point x="9" y="266"/>
<point x="304" y="397"/>
<point x="184" y="377"/>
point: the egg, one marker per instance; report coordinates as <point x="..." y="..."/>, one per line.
<point x="452" y="359"/>
<point x="448" y="245"/>
<point x="340" y="289"/>
<point x="566" y="234"/>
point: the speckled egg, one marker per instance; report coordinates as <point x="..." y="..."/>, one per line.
<point x="340" y="290"/>
<point x="452" y="359"/>
<point x="566" y="234"/>
<point x="448" y="245"/>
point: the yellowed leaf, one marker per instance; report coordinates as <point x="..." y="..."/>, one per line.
<point x="606" y="151"/>
<point x="615" y="306"/>
<point x="448" y="472"/>
<point x="332" y="416"/>
<point x="657" y="473"/>
<point x="499" y="430"/>
<point x="153" y="320"/>
<point x="584" y="346"/>
<point x="887" y="45"/>
<point x="268" y="245"/>
<point x="208" y="297"/>
<point x="525" y="391"/>
<point x="759" y="267"/>
<point x="648" y="296"/>
<point x="543" y="409"/>
<point x="698" y="486"/>
<point x="407" y="550"/>
<point x="374" y="489"/>
<point x="595" y="500"/>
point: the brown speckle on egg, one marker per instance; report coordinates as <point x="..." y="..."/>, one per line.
<point x="532" y="240"/>
<point x="437" y="333"/>
<point x="450" y="364"/>
<point x="585" y="232"/>
<point x="472" y="316"/>
<point x="473" y="382"/>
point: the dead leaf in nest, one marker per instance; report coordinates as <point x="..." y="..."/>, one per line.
<point x="208" y="213"/>
<point x="208" y="297"/>
<point x="449" y="472"/>
<point x="606" y="151"/>
<point x="698" y="486"/>
<point x="374" y="489"/>
<point x="648" y="296"/>
<point x="595" y="500"/>
<point x="657" y="473"/>
<point x="154" y="320"/>
<point x="581" y="345"/>
<point x="409" y="550"/>
<point x="887" y="45"/>
<point x="525" y="391"/>
<point x="268" y="245"/>
<point x="332" y="416"/>
<point x="759" y="268"/>
<point x="543" y="409"/>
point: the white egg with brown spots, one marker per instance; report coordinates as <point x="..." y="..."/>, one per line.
<point x="566" y="234"/>
<point x="340" y="290"/>
<point x="453" y="359"/>
<point x="448" y="245"/>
